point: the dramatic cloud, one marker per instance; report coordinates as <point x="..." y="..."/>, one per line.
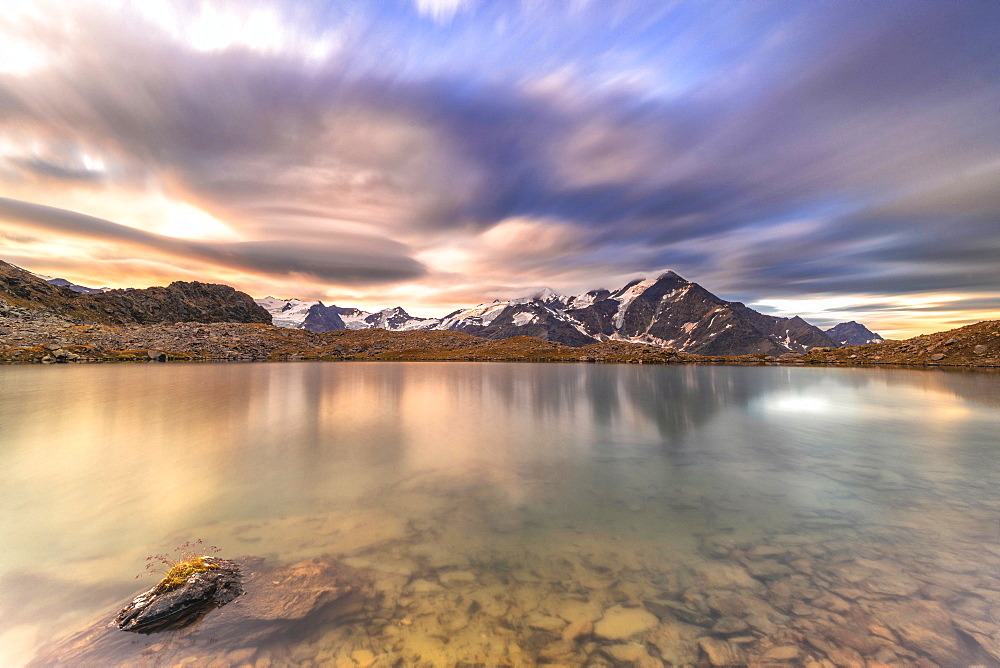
<point x="346" y="259"/>
<point x="435" y="152"/>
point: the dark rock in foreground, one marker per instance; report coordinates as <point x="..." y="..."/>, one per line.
<point x="283" y="602"/>
<point x="162" y="609"/>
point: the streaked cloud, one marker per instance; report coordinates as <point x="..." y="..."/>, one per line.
<point x="441" y="10"/>
<point x="346" y="259"/>
<point x="779" y="153"/>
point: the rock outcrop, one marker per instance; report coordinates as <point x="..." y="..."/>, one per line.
<point x="178" y="302"/>
<point x="163" y="609"/>
<point x="277" y="603"/>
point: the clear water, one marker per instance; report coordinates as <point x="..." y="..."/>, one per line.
<point x="837" y="514"/>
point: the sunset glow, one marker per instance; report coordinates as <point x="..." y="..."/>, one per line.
<point x="839" y="161"/>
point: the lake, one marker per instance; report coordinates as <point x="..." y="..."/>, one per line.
<point x="508" y="514"/>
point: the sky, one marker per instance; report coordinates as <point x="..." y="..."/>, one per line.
<point x="836" y="160"/>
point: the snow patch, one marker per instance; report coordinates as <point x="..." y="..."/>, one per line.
<point x="355" y="320"/>
<point x="626" y="298"/>
<point x="522" y="319"/>
<point x="287" y="313"/>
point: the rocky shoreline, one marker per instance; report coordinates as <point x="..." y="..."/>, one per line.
<point x="36" y="336"/>
<point x="822" y="591"/>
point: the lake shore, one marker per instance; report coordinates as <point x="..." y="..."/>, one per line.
<point x="28" y="336"/>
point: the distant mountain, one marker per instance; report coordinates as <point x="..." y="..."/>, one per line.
<point x="853" y="334"/>
<point x="178" y="302"/>
<point x="317" y="317"/>
<point x="518" y="317"/>
<point x="62" y="282"/>
<point x="72" y="286"/>
<point x="399" y="320"/>
<point x="666" y="311"/>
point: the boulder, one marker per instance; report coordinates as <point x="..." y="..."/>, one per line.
<point x="162" y="609"/>
<point x="621" y="623"/>
<point x="722" y="653"/>
<point x="278" y="602"/>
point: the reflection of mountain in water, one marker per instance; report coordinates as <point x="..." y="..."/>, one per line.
<point x="672" y="400"/>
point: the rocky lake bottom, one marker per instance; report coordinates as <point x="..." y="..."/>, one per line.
<point x="708" y="517"/>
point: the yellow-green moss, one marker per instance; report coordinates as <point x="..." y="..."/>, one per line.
<point x="180" y="572"/>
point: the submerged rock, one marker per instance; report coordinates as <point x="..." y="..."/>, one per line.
<point x="162" y="608"/>
<point x="621" y="623"/>
<point x="284" y="602"/>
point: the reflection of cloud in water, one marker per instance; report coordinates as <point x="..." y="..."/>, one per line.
<point x="102" y="465"/>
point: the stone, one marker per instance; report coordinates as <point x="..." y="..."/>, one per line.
<point x="768" y="569"/>
<point x="546" y="623"/>
<point x="363" y="657"/>
<point x="671" y="610"/>
<point x="761" y="623"/>
<point x="718" y="546"/>
<point x="832" y="602"/>
<point x="781" y="653"/>
<point x="581" y="628"/>
<point x="631" y="653"/>
<point x="853" y="637"/>
<point x="979" y="350"/>
<point x="156" y="355"/>
<point x="677" y="643"/>
<point x="423" y="587"/>
<point x="326" y="591"/>
<point x="559" y="651"/>
<point x="845" y="657"/>
<point x="729" y="626"/>
<point x="937" y="357"/>
<point x="620" y="623"/>
<point x="926" y="627"/>
<point x="717" y="575"/>
<point x="159" y="609"/>
<point x="722" y="653"/>
<point x="573" y="610"/>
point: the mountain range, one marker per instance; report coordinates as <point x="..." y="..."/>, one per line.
<point x="666" y="311"/>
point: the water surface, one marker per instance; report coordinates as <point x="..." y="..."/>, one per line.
<point x="485" y="509"/>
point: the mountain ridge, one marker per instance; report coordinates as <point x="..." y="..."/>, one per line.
<point x="181" y="301"/>
<point x="667" y="311"/>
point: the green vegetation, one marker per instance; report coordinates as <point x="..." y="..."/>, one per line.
<point x="183" y="564"/>
<point x="180" y="572"/>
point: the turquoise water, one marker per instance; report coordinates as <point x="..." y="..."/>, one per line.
<point x="670" y="513"/>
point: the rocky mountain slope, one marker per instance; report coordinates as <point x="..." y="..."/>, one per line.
<point x="972" y="345"/>
<point x="178" y="302"/>
<point x="38" y="335"/>
<point x="664" y="311"/>
<point x="853" y="334"/>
